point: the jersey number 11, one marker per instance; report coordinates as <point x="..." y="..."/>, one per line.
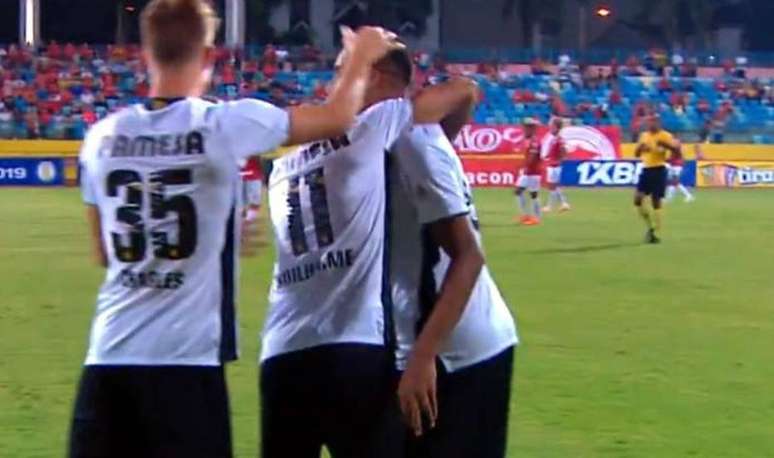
<point x="315" y="180"/>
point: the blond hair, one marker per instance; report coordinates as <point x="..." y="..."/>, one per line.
<point x="175" y="31"/>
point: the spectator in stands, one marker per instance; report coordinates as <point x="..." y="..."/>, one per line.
<point x="664" y="85"/>
<point x="559" y="109"/>
<point x="539" y="67"/>
<point x="523" y="96"/>
<point x="678" y="100"/>
<point x="633" y="66"/>
<point x="277" y="95"/>
<point x="703" y="106"/>
<point x="717" y="128"/>
<point x="615" y="95"/>
<point x="677" y="60"/>
<point x="739" y="69"/>
<point x="614" y="68"/>
<point x="320" y="92"/>
<point x="728" y="67"/>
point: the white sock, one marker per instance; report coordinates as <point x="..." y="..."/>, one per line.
<point x="523" y="204"/>
<point x="670" y="192"/>
<point x="551" y="199"/>
<point x="686" y="193"/>
<point x="560" y="196"/>
<point x="536" y="206"/>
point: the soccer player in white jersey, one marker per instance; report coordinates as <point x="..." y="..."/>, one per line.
<point x="161" y="184"/>
<point x="448" y="309"/>
<point x="327" y="365"/>
<point x="553" y="151"/>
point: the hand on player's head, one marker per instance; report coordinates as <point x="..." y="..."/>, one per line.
<point x="369" y="43"/>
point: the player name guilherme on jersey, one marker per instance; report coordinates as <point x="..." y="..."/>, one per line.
<point x="327" y="204"/>
<point x="166" y="183"/>
<point x="429" y="185"/>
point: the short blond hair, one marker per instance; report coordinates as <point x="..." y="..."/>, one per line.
<point x="175" y="31"/>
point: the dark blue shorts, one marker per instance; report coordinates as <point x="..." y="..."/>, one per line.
<point x="473" y="411"/>
<point x="653" y="182"/>
<point x="340" y="396"/>
<point x="151" y="412"/>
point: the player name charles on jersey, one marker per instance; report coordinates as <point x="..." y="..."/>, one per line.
<point x="151" y="279"/>
<point x="337" y="259"/>
<point x="152" y="145"/>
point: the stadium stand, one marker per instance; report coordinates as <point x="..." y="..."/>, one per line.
<point x="58" y="91"/>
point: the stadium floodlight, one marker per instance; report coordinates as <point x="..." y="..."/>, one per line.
<point x="603" y="12"/>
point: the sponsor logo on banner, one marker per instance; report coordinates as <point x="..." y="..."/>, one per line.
<point x="608" y="173"/>
<point x="735" y="174"/>
<point x="46" y="171"/>
<point x="491" y="172"/>
<point x="31" y="172"/>
<point x="613" y="173"/>
<point x="582" y="142"/>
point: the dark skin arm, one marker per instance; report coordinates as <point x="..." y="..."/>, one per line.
<point x="456" y="120"/>
<point x="95" y="235"/>
<point x="641" y="148"/>
<point x="671" y="146"/>
<point x="417" y="389"/>
<point x="452" y="99"/>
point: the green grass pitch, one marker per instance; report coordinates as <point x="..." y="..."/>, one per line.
<point x="628" y="350"/>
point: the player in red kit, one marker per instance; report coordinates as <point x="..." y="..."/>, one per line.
<point x="675" y="170"/>
<point x="554" y="151"/>
<point x="252" y="185"/>
<point x="529" y="178"/>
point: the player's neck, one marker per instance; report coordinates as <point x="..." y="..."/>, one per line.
<point x="174" y="85"/>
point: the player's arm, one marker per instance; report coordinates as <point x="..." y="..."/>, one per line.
<point x="89" y="196"/>
<point x="455" y="235"/>
<point x="451" y="100"/>
<point x="642" y="147"/>
<point x="95" y="235"/>
<point x="670" y="144"/>
<point x="253" y="127"/>
<point x="456" y="120"/>
<point x="562" y="149"/>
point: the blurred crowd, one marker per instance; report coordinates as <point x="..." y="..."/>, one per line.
<point x="59" y="90"/>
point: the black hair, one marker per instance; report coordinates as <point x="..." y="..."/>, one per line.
<point x="399" y="61"/>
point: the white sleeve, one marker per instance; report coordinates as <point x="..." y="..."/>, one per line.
<point x="250" y="127"/>
<point x="394" y="116"/>
<point x="88" y="188"/>
<point x="427" y="165"/>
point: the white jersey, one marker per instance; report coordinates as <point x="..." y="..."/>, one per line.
<point x="166" y="183"/>
<point x="327" y="203"/>
<point x="430" y="185"/>
<point x="546" y="143"/>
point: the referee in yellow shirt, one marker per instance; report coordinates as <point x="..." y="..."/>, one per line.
<point x="652" y="148"/>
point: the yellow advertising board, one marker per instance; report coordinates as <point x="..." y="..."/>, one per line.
<point x="735" y="174"/>
<point x="717" y="152"/>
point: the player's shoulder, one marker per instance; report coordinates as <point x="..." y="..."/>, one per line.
<point x="105" y="128"/>
<point x="385" y="108"/>
<point x="425" y="149"/>
<point x="425" y="138"/>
